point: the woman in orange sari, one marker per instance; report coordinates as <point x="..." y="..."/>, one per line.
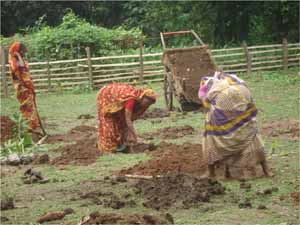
<point x="23" y="84"/>
<point x="118" y="106"/>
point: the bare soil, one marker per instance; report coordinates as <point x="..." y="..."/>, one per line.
<point x="75" y="134"/>
<point x="186" y="158"/>
<point x="7" y="126"/>
<point x="117" y="218"/>
<point x="83" y="152"/>
<point x="184" y="190"/>
<point x="286" y="129"/>
<point x="108" y="199"/>
<point x="169" y="133"/>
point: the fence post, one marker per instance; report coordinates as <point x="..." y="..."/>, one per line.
<point x="88" y="54"/>
<point x="3" y="71"/>
<point x="141" y="61"/>
<point x="48" y="74"/>
<point x="285" y="60"/>
<point x="248" y="57"/>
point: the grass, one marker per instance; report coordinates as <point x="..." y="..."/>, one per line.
<point x="277" y="97"/>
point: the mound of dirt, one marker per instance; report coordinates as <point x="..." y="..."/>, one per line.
<point x="187" y="159"/>
<point x="155" y="113"/>
<point x="75" y="134"/>
<point x="169" y="133"/>
<point x="287" y="129"/>
<point x="7" y="203"/>
<point x="7" y="126"/>
<point x="83" y="152"/>
<point x="167" y="158"/>
<point x="114" y="218"/>
<point x="180" y="189"/>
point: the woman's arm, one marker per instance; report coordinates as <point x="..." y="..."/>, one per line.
<point x="132" y="137"/>
<point x="137" y="114"/>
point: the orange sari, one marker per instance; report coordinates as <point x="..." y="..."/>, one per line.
<point x="112" y="127"/>
<point x="23" y="84"/>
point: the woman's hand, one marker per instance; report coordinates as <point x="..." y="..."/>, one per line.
<point x="132" y="137"/>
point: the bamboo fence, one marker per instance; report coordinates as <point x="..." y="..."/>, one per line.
<point x="143" y="68"/>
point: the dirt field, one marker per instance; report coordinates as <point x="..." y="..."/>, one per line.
<point x="157" y="182"/>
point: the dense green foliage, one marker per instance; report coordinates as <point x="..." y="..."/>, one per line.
<point x="47" y="26"/>
<point x="220" y="22"/>
<point x="73" y="35"/>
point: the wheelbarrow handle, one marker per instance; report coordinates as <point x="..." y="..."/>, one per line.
<point x="163" y="34"/>
<point x="176" y="33"/>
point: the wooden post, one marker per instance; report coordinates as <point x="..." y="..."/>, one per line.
<point x="72" y="50"/>
<point x="3" y="71"/>
<point x="48" y="73"/>
<point x="248" y="57"/>
<point x="88" y="54"/>
<point x="141" y="61"/>
<point x="285" y="60"/>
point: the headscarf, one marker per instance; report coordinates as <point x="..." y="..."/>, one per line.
<point x="14" y="52"/>
<point x="231" y="79"/>
<point x="149" y="93"/>
<point x="113" y="96"/>
<point x="205" y="85"/>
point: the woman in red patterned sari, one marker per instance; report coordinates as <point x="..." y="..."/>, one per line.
<point x="118" y="106"/>
<point x="23" y="84"/>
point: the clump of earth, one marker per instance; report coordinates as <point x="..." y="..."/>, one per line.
<point x="7" y="128"/>
<point x="177" y="189"/>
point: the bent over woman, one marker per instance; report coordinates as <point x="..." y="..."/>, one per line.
<point x="118" y="106"/>
<point x="231" y="131"/>
<point x="23" y="84"/>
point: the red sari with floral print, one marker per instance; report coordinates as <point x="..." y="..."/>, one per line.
<point x="111" y="103"/>
<point x="23" y="84"/>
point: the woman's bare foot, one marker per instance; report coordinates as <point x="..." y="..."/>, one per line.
<point x="266" y="169"/>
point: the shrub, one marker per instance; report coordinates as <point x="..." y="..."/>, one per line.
<point x="71" y="37"/>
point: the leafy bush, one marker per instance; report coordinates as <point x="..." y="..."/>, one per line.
<point x="21" y="138"/>
<point x="74" y="34"/>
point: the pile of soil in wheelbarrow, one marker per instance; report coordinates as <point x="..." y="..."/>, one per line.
<point x="287" y="129"/>
<point x="187" y="67"/>
<point x="75" y="134"/>
<point x="83" y="152"/>
<point x="117" y="218"/>
<point x="7" y="127"/>
<point x="169" y="133"/>
<point x="177" y="189"/>
<point x="186" y="158"/>
<point x="155" y="113"/>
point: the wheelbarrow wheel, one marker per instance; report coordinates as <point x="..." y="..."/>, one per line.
<point x="168" y="92"/>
